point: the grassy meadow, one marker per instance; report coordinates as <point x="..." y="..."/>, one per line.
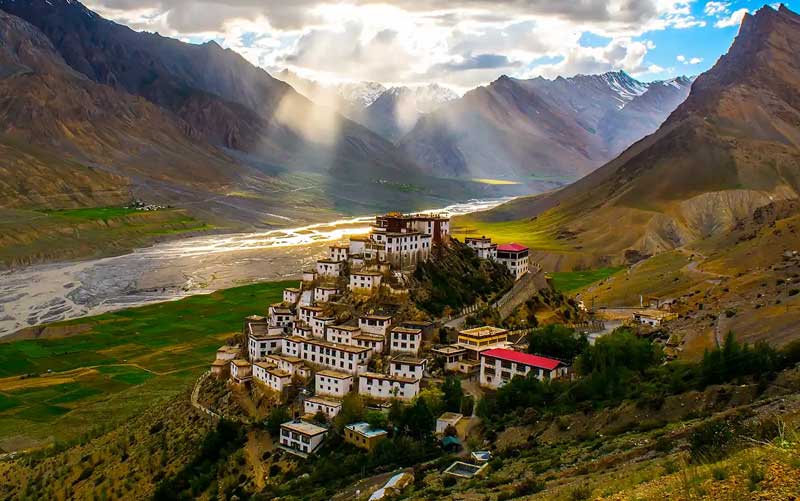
<point x="538" y="233"/>
<point x="35" y="236"/>
<point x="570" y="281"/>
<point x="117" y="364"/>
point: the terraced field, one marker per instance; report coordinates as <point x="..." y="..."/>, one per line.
<point x="116" y="364"/>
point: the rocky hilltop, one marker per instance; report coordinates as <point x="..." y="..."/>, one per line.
<point x="731" y="147"/>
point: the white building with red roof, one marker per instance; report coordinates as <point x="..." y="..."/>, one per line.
<point x="515" y="258"/>
<point x="500" y="365"/>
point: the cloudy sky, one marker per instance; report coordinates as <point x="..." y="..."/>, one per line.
<point x="459" y="43"/>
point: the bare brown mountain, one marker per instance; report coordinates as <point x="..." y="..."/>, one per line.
<point x="529" y="129"/>
<point x="102" y="109"/>
<point x="732" y="146"/>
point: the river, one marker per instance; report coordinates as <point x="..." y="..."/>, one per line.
<point x="171" y="270"/>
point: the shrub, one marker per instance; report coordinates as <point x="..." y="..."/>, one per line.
<point x="711" y="440"/>
<point x="448" y="481"/>
<point x="580" y="493"/>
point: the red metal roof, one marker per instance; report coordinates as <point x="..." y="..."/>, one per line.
<point x="523" y="358"/>
<point x="512" y="247"/>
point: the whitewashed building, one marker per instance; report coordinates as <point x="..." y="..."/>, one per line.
<point x="365" y="281"/>
<point x="386" y="386"/>
<point x="263" y="340"/>
<point x="375" y="342"/>
<point x="482" y="246"/>
<point x="328" y="268"/>
<point x="319" y="324"/>
<point x="451" y="356"/>
<point x="500" y="365"/>
<point x="309" y="275"/>
<point x="275" y="378"/>
<point x="291" y="295"/>
<point x="289" y="363"/>
<point x="515" y="257"/>
<point x="413" y="368"/>
<point x="339" y="252"/>
<point x="281" y="316"/>
<point x="292" y="346"/>
<point x="405" y="340"/>
<point x="302" y="329"/>
<point x="309" y="313"/>
<point x="302" y="437"/>
<point x="333" y="383"/>
<point x="327" y="406"/>
<point x="342" y="334"/>
<point x="241" y="371"/>
<point x="325" y="293"/>
<point x="340" y="357"/>
<point x="375" y="324"/>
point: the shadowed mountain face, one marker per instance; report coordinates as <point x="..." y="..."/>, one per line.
<point x="731" y="147"/>
<point x="518" y="129"/>
<point x="193" y="125"/>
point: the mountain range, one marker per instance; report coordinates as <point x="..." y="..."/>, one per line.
<point x="528" y="129"/>
<point x="95" y="113"/>
<point x="391" y="112"/>
<point x="105" y="110"/>
<point x="731" y="147"/>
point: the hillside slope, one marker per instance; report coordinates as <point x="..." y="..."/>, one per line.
<point x="731" y="147"/>
<point x="190" y="125"/>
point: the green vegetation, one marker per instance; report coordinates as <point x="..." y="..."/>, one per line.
<point x="121" y="362"/>
<point x="195" y="477"/>
<point x="456" y="278"/>
<point x="569" y="281"/>
<point x="539" y="233"/>
<point x="557" y="341"/>
<point x="92" y="213"/>
<point x="622" y="366"/>
<point x="34" y="236"/>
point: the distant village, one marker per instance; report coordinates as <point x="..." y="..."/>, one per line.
<point x="380" y="354"/>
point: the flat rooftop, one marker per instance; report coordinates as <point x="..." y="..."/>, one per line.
<point x="334" y="374"/>
<point x="409" y="360"/>
<point x="448" y="350"/>
<point x="366" y="430"/>
<point x="407" y="330"/>
<point x="324" y="401"/>
<point x="304" y="428"/>
<point x="485" y="331"/>
<point x="387" y="377"/>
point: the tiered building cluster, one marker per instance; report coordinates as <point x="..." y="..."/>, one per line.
<point x="513" y="256"/>
<point x="300" y="339"/>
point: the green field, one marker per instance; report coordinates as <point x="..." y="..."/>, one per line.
<point x="120" y="364"/>
<point x="28" y="236"/>
<point x="92" y="213"/>
<point x="569" y="281"/>
<point x="538" y="234"/>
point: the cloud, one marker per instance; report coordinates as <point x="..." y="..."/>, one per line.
<point x="722" y="12"/>
<point x="620" y="54"/>
<point x="458" y="42"/>
<point x="683" y="59"/>
<point x="735" y="19"/>
<point x="716" y="8"/>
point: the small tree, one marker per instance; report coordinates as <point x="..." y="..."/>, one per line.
<point x="276" y="417"/>
<point x="353" y="410"/>
<point x="377" y="420"/>
<point x="453" y="394"/>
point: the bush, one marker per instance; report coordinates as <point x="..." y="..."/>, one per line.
<point x="711" y="440"/>
<point x="448" y="481"/>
